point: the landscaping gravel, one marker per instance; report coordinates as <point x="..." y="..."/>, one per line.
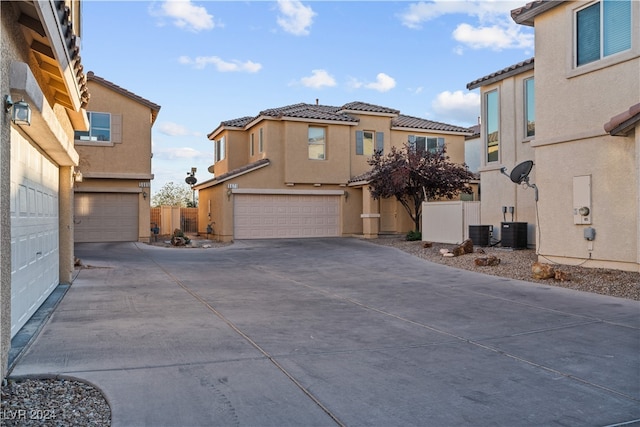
<point x="63" y="402"/>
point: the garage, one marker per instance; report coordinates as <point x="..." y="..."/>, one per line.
<point x="273" y="216"/>
<point x="35" y="257"/>
<point x="106" y="217"/>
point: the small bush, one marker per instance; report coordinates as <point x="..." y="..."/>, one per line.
<point x="412" y="236"/>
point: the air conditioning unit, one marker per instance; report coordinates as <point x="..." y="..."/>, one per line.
<point x="480" y="235"/>
<point x="514" y="235"/>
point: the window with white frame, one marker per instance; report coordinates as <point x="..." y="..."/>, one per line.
<point x="602" y="29"/>
<point x="429" y="144"/>
<point x="251" y="145"/>
<point x="529" y="109"/>
<point x="368" y="142"/>
<point x="99" y="128"/>
<point x="492" y="126"/>
<point x="260" y="141"/>
<point x="219" y="150"/>
<point x="316" y="143"/>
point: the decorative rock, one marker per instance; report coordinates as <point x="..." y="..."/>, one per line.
<point x="427" y="245"/>
<point x="490" y="260"/>
<point x="541" y="270"/>
<point x="465" y="247"/>
<point x="449" y="254"/>
<point x="562" y="276"/>
<point x="480" y="251"/>
<point x="178" y="241"/>
<point x="444" y="251"/>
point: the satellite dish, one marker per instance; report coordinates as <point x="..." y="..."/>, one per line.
<point x="191" y="180"/>
<point x="520" y="173"/>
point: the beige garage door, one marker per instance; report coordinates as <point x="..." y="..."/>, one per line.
<point x="106" y="217"/>
<point x="269" y="216"/>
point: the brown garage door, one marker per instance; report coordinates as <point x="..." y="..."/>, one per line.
<point x="269" y="216"/>
<point x="106" y="217"/>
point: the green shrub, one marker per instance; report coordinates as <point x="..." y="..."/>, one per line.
<point x="414" y="235"/>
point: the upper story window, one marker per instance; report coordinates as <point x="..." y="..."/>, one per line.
<point x="368" y="142"/>
<point x="317" y="143"/>
<point x="219" y="150"/>
<point x="426" y="143"/>
<point x="251" y="145"/>
<point x="260" y="141"/>
<point x="529" y="109"/>
<point x="602" y="29"/>
<point x="99" y="128"/>
<point x="492" y="126"/>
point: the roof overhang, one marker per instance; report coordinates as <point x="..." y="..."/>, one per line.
<point x="623" y="123"/>
<point x="526" y="14"/>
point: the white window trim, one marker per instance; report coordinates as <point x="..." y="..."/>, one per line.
<point x="573" y="70"/>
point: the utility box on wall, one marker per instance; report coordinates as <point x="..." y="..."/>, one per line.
<point x="582" y="199"/>
<point x="514" y="235"/>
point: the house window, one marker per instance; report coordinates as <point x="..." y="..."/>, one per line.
<point x="99" y="128"/>
<point x="316" y="143"/>
<point x="492" y="131"/>
<point x="260" y="141"/>
<point x="602" y="29"/>
<point x="368" y="142"/>
<point x="219" y="150"/>
<point x="251" y="146"/>
<point x="426" y="143"/>
<point x="529" y="108"/>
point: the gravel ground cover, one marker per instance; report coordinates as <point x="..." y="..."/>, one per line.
<point x="62" y="402"/>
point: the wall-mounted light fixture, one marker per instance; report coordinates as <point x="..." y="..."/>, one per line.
<point x="144" y="195"/>
<point x="20" y="111"/>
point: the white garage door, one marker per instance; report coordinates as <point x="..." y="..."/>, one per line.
<point x="268" y="216"/>
<point x="106" y="217"/>
<point x="34" y="230"/>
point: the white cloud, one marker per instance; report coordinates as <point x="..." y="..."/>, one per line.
<point x="383" y="83"/>
<point x="295" y="17"/>
<point x="495" y="37"/>
<point x="221" y="65"/>
<point x="457" y="107"/>
<point x="318" y="80"/>
<point x="494" y="29"/>
<point x="174" y="129"/>
<point x="186" y="15"/>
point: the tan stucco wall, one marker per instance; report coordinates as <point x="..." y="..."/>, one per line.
<point x="572" y="106"/>
<point x="497" y="189"/>
<point x="52" y="133"/>
<point x="133" y="154"/>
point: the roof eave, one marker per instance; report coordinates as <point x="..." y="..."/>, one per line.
<point x="526" y="15"/>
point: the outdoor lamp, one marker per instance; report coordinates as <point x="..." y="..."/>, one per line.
<point x="20" y="111"/>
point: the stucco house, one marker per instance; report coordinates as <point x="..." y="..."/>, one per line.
<point x="299" y="171"/>
<point x="112" y="199"/>
<point x="40" y="64"/>
<point x="586" y="141"/>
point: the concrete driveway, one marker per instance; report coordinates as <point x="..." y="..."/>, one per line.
<point x="335" y="332"/>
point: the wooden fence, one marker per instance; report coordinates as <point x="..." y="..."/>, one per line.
<point x="168" y="218"/>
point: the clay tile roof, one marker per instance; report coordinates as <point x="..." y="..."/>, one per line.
<point x="239" y="122"/>
<point x="512" y="70"/>
<point x="371" y="108"/>
<point x="233" y="173"/>
<point x="621" y="124"/>
<point x="524" y="15"/>
<point x="155" y="108"/>
<point x="475" y="129"/>
<point x="309" y="111"/>
<point x="403" y="121"/>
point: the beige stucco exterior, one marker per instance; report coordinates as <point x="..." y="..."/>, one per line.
<point x="572" y="106"/>
<point x="122" y="165"/>
<point x="577" y="161"/>
<point x="41" y="66"/>
<point x="283" y="167"/>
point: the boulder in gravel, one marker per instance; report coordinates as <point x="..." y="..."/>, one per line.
<point x="541" y="270"/>
<point x="562" y="276"/>
<point x="487" y="261"/>
<point x="465" y="247"/>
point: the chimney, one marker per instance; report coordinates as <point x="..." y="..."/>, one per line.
<point x="317" y="100"/>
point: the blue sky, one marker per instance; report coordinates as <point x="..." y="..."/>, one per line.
<point x="206" y="62"/>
